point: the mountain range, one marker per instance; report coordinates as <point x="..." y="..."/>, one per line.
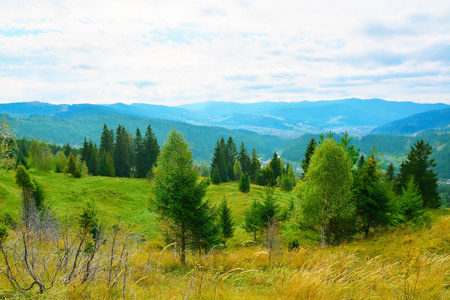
<point x="267" y="126"/>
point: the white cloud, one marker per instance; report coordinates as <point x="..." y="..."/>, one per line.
<point x="84" y="51"/>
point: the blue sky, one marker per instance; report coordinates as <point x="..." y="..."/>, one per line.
<point x="175" y="52"/>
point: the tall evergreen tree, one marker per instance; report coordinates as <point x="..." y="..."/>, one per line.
<point x="308" y="154"/>
<point x="372" y="196"/>
<point x="151" y="151"/>
<point x="361" y="161"/>
<point x="255" y="166"/>
<point x="178" y="196"/>
<point x="107" y="141"/>
<point x="390" y="173"/>
<point x="230" y="157"/>
<point x="72" y="164"/>
<point x="410" y="203"/>
<point x="219" y="160"/>
<point x="276" y="165"/>
<point x="121" y="156"/>
<point x="226" y="221"/>
<point x="419" y="165"/>
<point x="141" y="170"/>
<point x="244" y="158"/>
<point x="244" y="183"/>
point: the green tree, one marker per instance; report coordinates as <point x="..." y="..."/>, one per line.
<point x="219" y="160"/>
<point x="244" y="183"/>
<point x="60" y="162"/>
<point x="372" y="196"/>
<point x="419" y="165"/>
<point x="361" y="161"/>
<point x="215" y="177"/>
<point x="237" y="170"/>
<point x="226" y="221"/>
<point x="141" y="169"/>
<point x="106" y="141"/>
<point x="252" y="219"/>
<point x="230" y="157"/>
<point x="276" y="165"/>
<point x="308" y="154"/>
<point x="40" y="156"/>
<point x="410" y="203"/>
<point x="121" y="155"/>
<point x="326" y="193"/>
<point x="151" y="151"/>
<point x="6" y="144"/>
<point x="244" y="158"/>
<point x="178" y="196"/>
<point x="72" y="164"/>
<point x="390" y="173"/>
<point x="255" y="166"/>
<point x="106" y="165"/>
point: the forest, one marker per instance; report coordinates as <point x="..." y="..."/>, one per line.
<point x="133" y="218"/>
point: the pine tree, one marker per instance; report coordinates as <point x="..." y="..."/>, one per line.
<point x="252" y="219"/>
<point x="71" y="165"/>
<point x="244" y="158"/>
<point x="151" y="151"/>
<point x="276" y="165"/>
<point x="230" y="157"/>
<point x="108" y="169"/>
<point x="372" y="196"/>
<point x="244" y="183"/>
<point x="308" y="154"/>
<point x="255" y="166"/>
<point x="361" y="161"/>
<point x="121" y="156"/>
<point x="141" y="169"/>
<point x="178" y="197"/>
<point x="390" y="173"/>
<point x="219" y="160"/>
<point x="410" y="203"/>
<point x="419" y="165"/>
<point x="226" y="221"/>
<point x="215" y="177"/>
<point x="106" y="141"/>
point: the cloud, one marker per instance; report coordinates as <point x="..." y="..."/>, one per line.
<point x="173" y="52"/>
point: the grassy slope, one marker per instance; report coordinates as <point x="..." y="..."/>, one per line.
<point x="120" y="199"/>
<point x="373" y="268"/>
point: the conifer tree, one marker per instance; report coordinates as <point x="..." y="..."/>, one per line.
<point x="410" y="203"/>
<point x="372" y="196"/>
<point x="390" y="173"/>
<point x="244" y="183"/>
<point x="151" y="151"/>
<point x="215" y="177"/>
<point x="141" y="170"/>
<point x="178" y="197"/>
<point x="121" y="156"/>
<point x="308" y="154"/>
<point x="71" y="165"/>
<point x="252" y="219"/>
<point x="219" y="160"/>
<point x="255" y="166"/>
<point x="108" y="165"/>
<point x="419" y="165"/>
<point x="244" y="158"/>
<point x="276" y="165"/>
<point x="361" y="161"/>
<point x="107" y="141"/>
<point x="230" y="157"/>
<point x="226" y="221"/>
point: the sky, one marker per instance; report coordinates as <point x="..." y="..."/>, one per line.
<point x="176" y="52"/>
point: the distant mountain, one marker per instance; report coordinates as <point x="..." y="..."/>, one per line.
<point x="80" y="121"/>
<point x="293" y="119"/>
<point x="431" y="121"/>
<point x="284" y="119"/>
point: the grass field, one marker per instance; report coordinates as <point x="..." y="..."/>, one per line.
<point x="402" y="263"/>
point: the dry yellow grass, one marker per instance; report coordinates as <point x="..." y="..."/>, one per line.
<point x="417" y="269"/>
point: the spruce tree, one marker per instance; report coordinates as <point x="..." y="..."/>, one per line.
<point x="226" y="221"/>
<point x="244" y="158"/>
<point x="230" y="157"/>
<point x="419" y="165"/>
<point x="141" y="169"/>
<point x="108" y="169"/>
<point x="252" y="219"/>
<point x="255" y="166"/>
<point x="410" y="203"/>
<point x="219" y="160"/>
<point x="390" y="173"/>
<point x="372" y="196"/>
<point x="276" y="165"/>
<point x="71" y="165"/>
<point x="107" y="141"/>
<point x="308" y="154"/>
<point x="361" y="161"/>
<point x="215" y="177"/>
<point x="244" y="183"/>
<point x="178" y="197"/>
<point x="121" y="155"/>
<point x="151" y="151"/>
